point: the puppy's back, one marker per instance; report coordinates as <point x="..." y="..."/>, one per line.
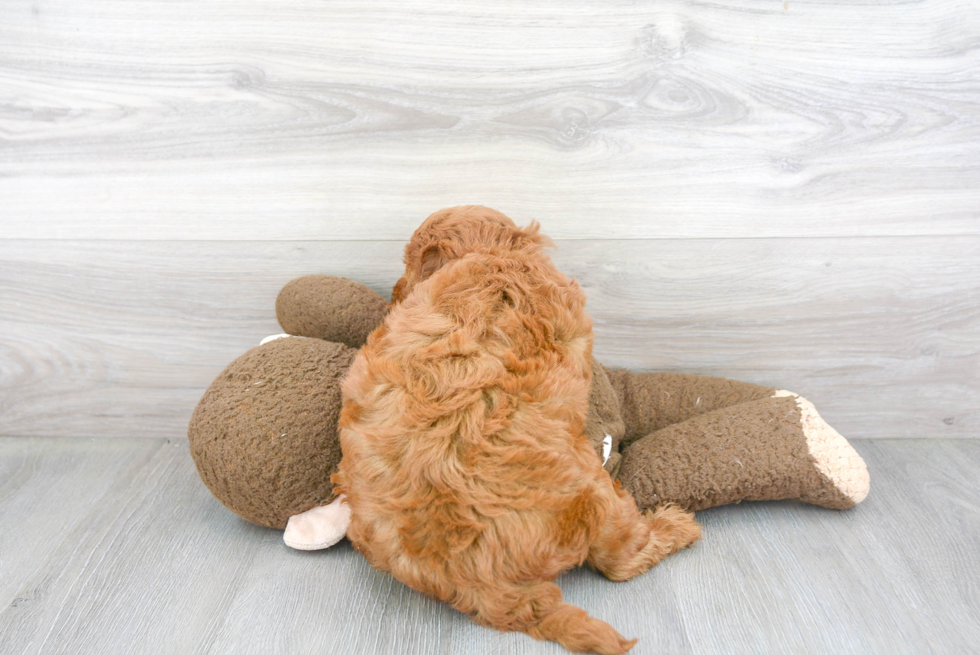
<point x="464" y="464"/>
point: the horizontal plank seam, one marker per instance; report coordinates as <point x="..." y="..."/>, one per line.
<point x="183" y="438"/>
<point x="556" y="240"/>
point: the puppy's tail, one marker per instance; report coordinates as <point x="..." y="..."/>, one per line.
<point x="537" y="609"/>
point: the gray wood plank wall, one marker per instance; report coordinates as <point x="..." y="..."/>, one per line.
<point x="780" y="192"/>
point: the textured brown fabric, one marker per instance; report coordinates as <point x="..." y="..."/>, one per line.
<point x="604" y="418"/>
<point x="264" y="436"/>
<point x="752" y="451"/>
<point x="331" y="308"/>
<point x="651" y="401"/>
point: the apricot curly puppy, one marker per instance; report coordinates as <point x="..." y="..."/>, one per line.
<point x="465" y="465"/>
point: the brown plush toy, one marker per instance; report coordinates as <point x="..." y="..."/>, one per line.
<point x="264" y="436"/>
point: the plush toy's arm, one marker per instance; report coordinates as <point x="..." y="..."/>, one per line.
<point x="772" y="448"/>
<point x="330" y="308"/>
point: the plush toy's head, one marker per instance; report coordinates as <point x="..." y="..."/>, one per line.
<point x="264" y="436"/>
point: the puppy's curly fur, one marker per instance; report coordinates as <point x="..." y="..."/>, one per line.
<point x="465" y="464"/>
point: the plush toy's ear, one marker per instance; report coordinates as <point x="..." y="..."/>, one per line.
<point x="331" y="308"/>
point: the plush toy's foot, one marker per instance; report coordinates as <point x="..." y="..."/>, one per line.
<point x="317" y="528"/>
<point x="833" y="456"/>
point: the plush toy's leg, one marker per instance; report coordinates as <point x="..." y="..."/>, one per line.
<point x="773" y="448"/>
<point x="320" y="527"/>
<point x="652" y="401"/>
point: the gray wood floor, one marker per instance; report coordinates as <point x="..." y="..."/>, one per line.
<point x="115" y="546"/>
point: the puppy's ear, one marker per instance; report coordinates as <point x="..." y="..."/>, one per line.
<point x="398" y="293"/>
<point x="531" y="235"/>
<point x="432" y="261"/>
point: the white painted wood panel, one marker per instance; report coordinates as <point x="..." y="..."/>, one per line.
<point x="121" y="338"/>
<point x="350" y="120"/>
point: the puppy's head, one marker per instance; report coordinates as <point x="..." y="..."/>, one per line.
<point x="450" y="234"/>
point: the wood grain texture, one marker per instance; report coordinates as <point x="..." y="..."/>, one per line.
<point x="122" y="338"/>
<point x="127" y="552"/>
<point x="779" y="192"/>
<point x="245" y="119"/>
